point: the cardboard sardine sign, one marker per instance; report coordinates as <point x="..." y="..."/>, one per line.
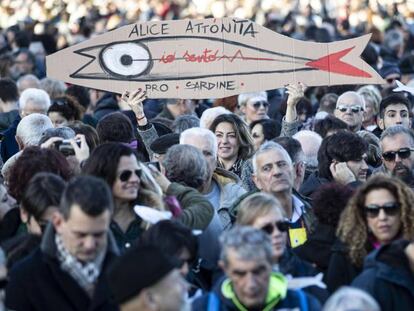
<point x="209" y="58"/>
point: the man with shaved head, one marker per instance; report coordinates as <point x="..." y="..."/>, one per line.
<point x="350" y="109"/>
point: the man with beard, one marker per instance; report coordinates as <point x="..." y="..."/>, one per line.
<point x="397" y="145"/>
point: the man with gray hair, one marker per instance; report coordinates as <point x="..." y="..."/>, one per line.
<point x="273" y="173"/>
<point x="310" y="142"/>
<point x="397" y="146"/>
<point x="350" y="109"/>
<point x="221" y="187"/>
<point x="30" y="101"/>
<point x="28" y="133"/>
<point x="250" y="284"/>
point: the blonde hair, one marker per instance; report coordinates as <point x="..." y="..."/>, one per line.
<point x="256" y="205"/>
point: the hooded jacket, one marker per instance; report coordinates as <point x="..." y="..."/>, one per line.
<point x="223" y="298"/>
<point x="388" y="278"/>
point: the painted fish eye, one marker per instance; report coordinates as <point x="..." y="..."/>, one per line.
<point x="125" y="60"/>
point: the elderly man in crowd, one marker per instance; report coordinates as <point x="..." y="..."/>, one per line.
<point x="30" y="101"/>
<point x="250" y="284"/>
<point x="350" y="109"/>
<point x="220" y="187"/>
<point x="274" y="174"/>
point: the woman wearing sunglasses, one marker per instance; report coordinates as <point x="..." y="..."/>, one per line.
<point x="253" y="106"/>
<point x="379" y="213"/>
<point x="118" y="165"/>
<point x="263" y="211"/>
<point x="235" y="144"/>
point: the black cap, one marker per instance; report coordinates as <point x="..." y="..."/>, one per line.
<point x="140" y="267"/>
<point x="163" y="143"/>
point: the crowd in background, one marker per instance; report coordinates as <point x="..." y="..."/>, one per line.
<point x="299" y="197"/>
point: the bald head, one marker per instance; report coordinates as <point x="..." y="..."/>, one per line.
<point x="350" y="109"/>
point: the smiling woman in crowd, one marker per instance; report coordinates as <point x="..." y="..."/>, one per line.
<point x="235" y="144"/>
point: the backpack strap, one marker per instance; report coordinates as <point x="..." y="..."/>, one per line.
<point x="303" y="302"/>
<point x="213" y="303"/>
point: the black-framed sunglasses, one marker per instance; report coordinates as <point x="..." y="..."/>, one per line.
<point x="126" y="174"/>
<point x="354" y="109"/>
<point x="391" y="209"/>
<point x="281" y="225"/>
<point x="403" y="153"/>
<point x="391" y="80"/>
<point x="258" y="104"/>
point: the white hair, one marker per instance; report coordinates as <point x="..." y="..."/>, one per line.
<point x="210" y="114"/>
<point x="267" y="146"/>
<point x="351" y="94"/>
<point x="310" y="142"/>
<point x="38" y="97"/>
<point x="31" y="128"/>
<point x="349" y="298"/>
<point x="27" y="81"/>
<point x="200" y="133"/>
<point x="245" y="97"/>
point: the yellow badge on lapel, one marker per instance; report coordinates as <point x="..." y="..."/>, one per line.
<point x="297" y="236"/>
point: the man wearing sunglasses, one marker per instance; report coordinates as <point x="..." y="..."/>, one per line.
<point x="397" y="145"/>
<point x="350" y="109"/>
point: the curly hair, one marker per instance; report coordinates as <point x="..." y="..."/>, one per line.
<point x="329" y="201"/>
<point x="34" y="160"/>
<point x="242" y="132"/>
<point x="68" y="107"/>
<point x="342" y="146"/>
<point x="353" y="228"/>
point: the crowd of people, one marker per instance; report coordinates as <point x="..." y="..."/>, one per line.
<point x="298" y="198"/>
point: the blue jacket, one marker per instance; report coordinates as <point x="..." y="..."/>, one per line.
<point x="9" y="145"/>
<point x="223" y="298"/>
<point x="388" y="278"/>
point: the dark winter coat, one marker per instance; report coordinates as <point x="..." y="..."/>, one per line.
<point x="388" y="278"/>
<point x="38" y="283"/>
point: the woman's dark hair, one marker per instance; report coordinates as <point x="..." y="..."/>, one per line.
<point x="68" y="107"/>
<point x="342" y="146"/>
<point x="271" y="128"/>
<point x="104" y="160"/>
<point x="330" y="123"/>
<point x="171" y="237"/>
<point x="244" y="138"/>
<point x="91" y="136"/>
<point x="329" y="201"/>
<point x="43" y="191"/>
<point x="34" y="160"/>
<point x="80" y="93"/>
<point x="115" y="127"/>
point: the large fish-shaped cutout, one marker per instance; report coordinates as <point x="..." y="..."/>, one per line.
<point x="208" y="58"/>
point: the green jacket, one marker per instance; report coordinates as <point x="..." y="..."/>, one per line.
<point x="197" y="211"/>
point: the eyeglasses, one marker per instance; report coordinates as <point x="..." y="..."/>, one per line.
<point x="281" y="225"/>
<point x="126" y="175"/>
<point x="391" y="209"/>
<point x="391" y="80"/>
<point x="258" y="104"/>
<point x="403" y="153"/>
<point x="354" y="109"/>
